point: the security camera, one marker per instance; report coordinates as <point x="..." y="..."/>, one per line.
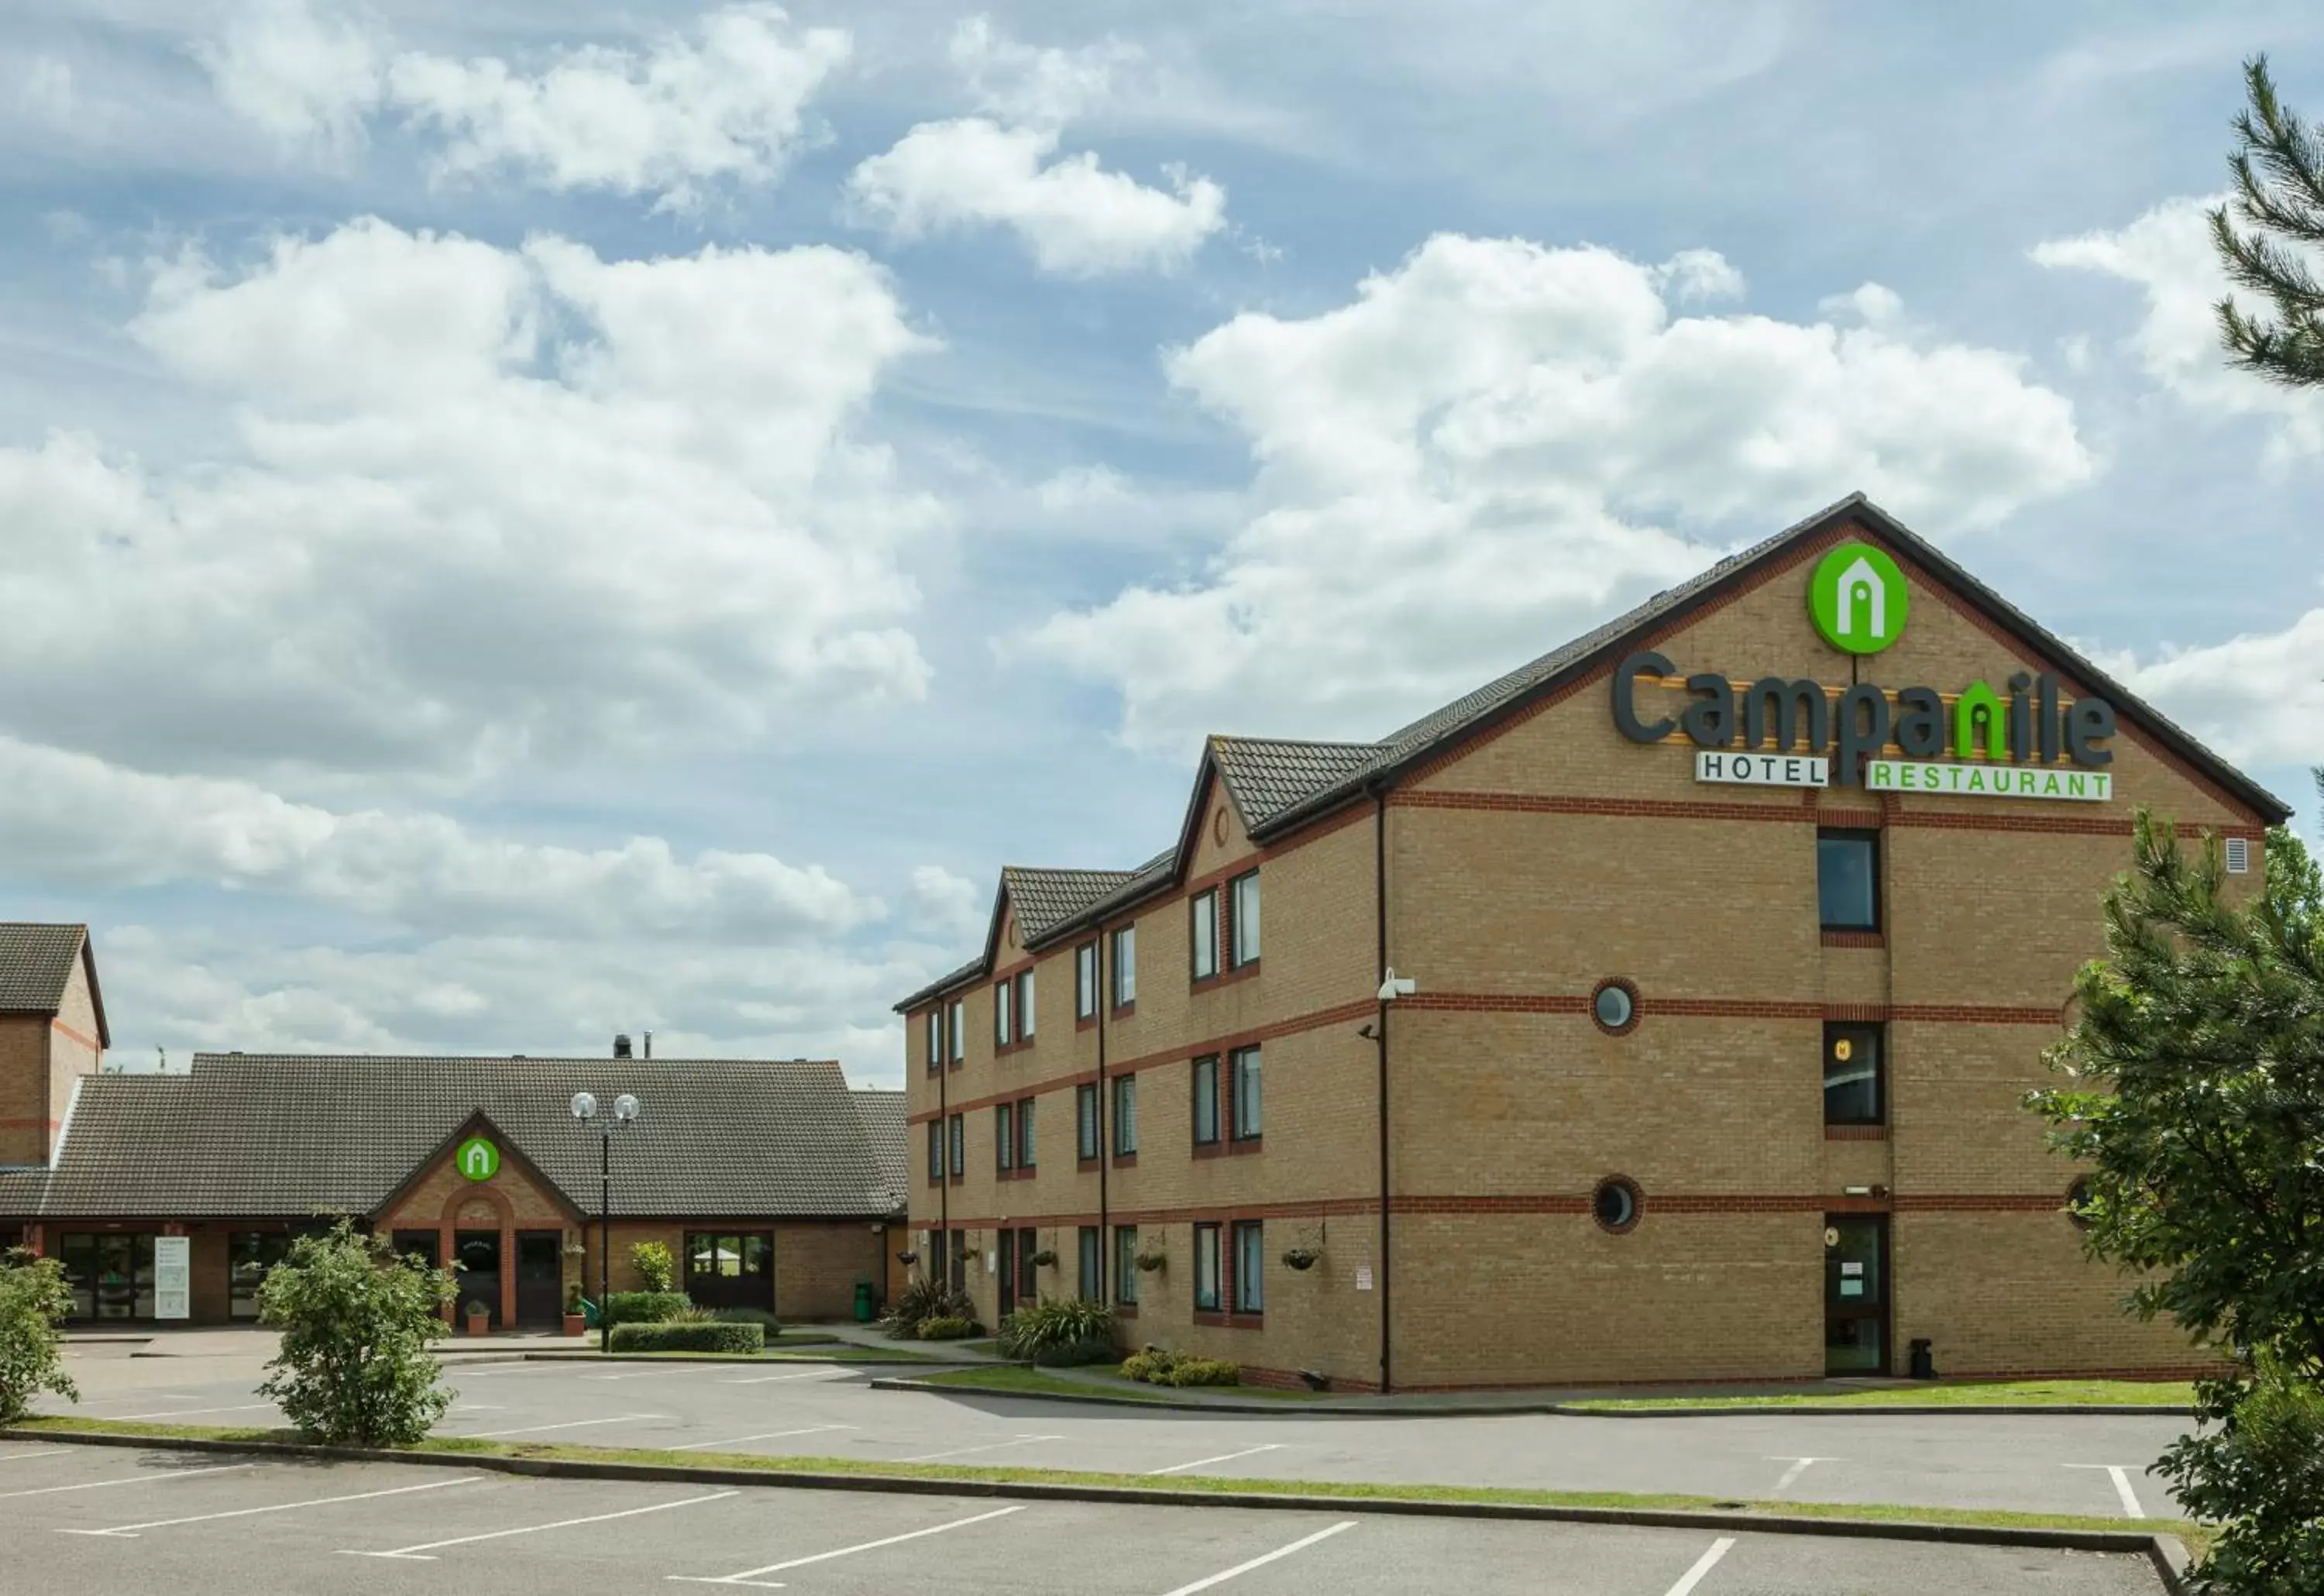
<point x="1397" y="986"/>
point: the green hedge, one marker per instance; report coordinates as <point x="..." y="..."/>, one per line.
<point x="712" y="1337"/>
<point x="1159" y="1366"/>
<point x="948" y="1328"/>
<point x="644" y="1308"/>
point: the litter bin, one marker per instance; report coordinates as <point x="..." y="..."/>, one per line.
<point x="1924" y="1361"/>
<point x="864" y="1302"/>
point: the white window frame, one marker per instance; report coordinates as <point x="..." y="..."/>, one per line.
<point x="1125" y="1116"/>
<point x="1085" y="967"/>
<point x="1242" y="920"/>
<point x="957" y="1023"/>
<point x="1202" y="920"/>
<point x="1004" y="994"/>
<point x="1236" y="1061"/>
<point x="1249" y="1285"/>
<point x="1024" y="1005"/>
<point x="1125" y="966"/>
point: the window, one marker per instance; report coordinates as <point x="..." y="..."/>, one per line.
<point x="1206" y="1101"/>
<point x="1085" y="1138"/>
<point x="1125" y="1265"/>
<point x="1024" y="1005"/>
<point x="1245" y="1118"/>
<point x="1854" y="1074"/>
<point x="1001" y="1034"/>
<point x="1615" y="1205"/>
<point x="1125" y="1115"/>
<point x="1092" y="1261"/>
<point x="1024" y="1133"/>
<point x="1848" y="880"/>
<point x="1242" y="919"/>
<point x="1004" y="1136"/>
<point x="1205" y="909"/>
<point x="936" y="1149"/>
<point x="959" y="1146"/>
<point x="936" y="1038"/>
<point x="1085" y="982"/>
<point x="1614" y="1006"/>
<point x="1125" y="966"/>
<point x="1250" y="1266"/>
<point x="958" y="1024"/>
<point x="2078" y="1203"/>
<point x="250" y="1254"/>
<point x="1206" y="1269"/>
<point x="731" y="1270"/>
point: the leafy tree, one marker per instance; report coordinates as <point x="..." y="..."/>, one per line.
<point x="33" y="1301"/>
<point x="2279" y="199"/>
<point x="354" y="1368"/>
<point x="2195" y="1094"/>
<point x="654" y="1265"/>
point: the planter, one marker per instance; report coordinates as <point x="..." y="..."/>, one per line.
<point x="1044" y="1259"/>
<point x="1151" y="1263"/>
<point x="477" y="1323"/>
<point x="575" y="1324"/>
<point x="1301" y="1258"/>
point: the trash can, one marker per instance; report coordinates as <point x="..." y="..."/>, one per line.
<point x="1924" y="1361"/>
<point x="864" y="1302"/>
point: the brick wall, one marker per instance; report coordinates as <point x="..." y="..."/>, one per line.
<point x="24" y="1114"/>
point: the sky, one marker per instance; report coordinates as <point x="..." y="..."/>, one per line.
<point x="523" y="522"/>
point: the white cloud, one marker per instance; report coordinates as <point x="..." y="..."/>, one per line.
<point x="2169" y="254"/>
<point x="305" y="77"/>
<point x="1457" y="471"/>
<point x="943" y="907"/>
<point x="2257" y="698"/>
<point x="1696" y="274"/>
<point x="488" y="502"/>
<point x="1003" y="170"/>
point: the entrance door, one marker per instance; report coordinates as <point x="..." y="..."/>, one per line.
<point x="1008" y="1272"/>
<point x="111" y="1275"/>
<point x="540" y="1277"/>
<point x="479" y="1252"/>
<point x="1028" y="1289"/>
<point x="1856" y="1293"/>
<point x="731" y="1269"/>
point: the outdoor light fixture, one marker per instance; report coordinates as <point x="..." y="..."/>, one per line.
<point x="625" y="1114"/>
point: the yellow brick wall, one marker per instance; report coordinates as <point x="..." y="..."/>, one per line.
<point x="24" y="1112"/>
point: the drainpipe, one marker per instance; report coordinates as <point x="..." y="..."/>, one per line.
<point x="1105" y="1223"/>
<point x="1379" y="1047"/>
<point x="940" y="1266"/>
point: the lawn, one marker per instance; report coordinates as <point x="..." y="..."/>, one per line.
<point x="2003" y="1393"/>
<point x="1043" y="1382"/>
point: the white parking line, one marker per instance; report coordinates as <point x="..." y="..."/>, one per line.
<point x="2121" y="1478"/>
<point x="147" y="1479"/>
<point x="767" y="1380"/>
<point x="1224" y="1457"/>
<point x="190" y="1412"/>
<point x="666" y="1373"/>
<point x="1223" y="1575"/>
<point x="750" y="1576"/>
<point x="578" y="1423"/>
<point x="929" y="1457"/>
<point x="131" y="1531"/>
<point x="1799" y="1467"/>
<point x="422" y="1553"/>
<point x="1703" y="1565"/>
<point x="11" y="1457"/>
<point x="762" y="1436"/>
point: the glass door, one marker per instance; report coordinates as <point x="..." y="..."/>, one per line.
<point x="1856" y="1293"/>
<point x="479" y="1252"/>
<point x="1028" y="1289"/>
<point x="1008" y="1272"/>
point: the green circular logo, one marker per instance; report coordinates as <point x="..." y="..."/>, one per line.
<point x="1857" y="599"/>
<point x="478" y="1159"/>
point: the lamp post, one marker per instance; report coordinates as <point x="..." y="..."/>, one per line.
<point x="625" y="1114"/>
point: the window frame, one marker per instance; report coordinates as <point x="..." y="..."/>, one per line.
<point x="1236" y="957"/>
<point x="1025" y="1010"/>
<point x="1202" y="915"/>
<point x="1004" y="1136"/>
<point x="1237" y="1131"/>
<point x="936" y="1149"/>
<point x="1004" y="994"/>
<point x="1085" y="971"/>
<point x="956" y="1023"/>
<point x="1206" y="1070"/>
<point x="1871" y="843"/>
<point x="1089" y="1260"/>
<point x="1125" y="1266"/>
<point x="1856" y="1031"/>
<point x="1125" y="966"/>
<point x="1125" y="1116"/>
<point x="958" y="1145"/>
<point x="1026" y="1141"/>
<point x="936" y="1038"/>
<point x="1089" y="1139"/>
<point x="1249" y="1292"/>
<point x="1207" y="1236"/>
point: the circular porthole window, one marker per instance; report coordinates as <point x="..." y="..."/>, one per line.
<point x="1614" y="1006"/>
<point x="1616" y="1203"/>
<point x="2078" y="1197"/>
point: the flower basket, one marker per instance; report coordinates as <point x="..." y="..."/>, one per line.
<point x="1151" y="1262"/>
<point x="1047" y="1258"/>
<point x="1301" y="1258"/>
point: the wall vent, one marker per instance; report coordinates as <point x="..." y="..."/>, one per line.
<point x="2238" y="856"/>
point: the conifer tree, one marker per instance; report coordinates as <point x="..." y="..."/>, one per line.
<point x="2279" y="202"/>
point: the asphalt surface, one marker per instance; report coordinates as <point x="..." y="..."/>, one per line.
<point x="80" y="1520"/>
<point x="2037" y="1462"/>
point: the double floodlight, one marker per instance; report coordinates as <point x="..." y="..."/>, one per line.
<point x="585" y="1108"/>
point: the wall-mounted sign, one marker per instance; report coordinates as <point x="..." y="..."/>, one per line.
<point x="1363" y="1277"/>
<point x="1989" y="781"/>
<point x="478" y="1158"/>
<point x="173" y="1278"/>
<point x="1761" y="769"/>
<point x="1857" y="599"/>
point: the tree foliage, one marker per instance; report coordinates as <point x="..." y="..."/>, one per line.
<point x="2279" y="201"/>
<point x="33" y="1301"/>
<point x="354" y="1368"/>
<point x="657" y="1270"/>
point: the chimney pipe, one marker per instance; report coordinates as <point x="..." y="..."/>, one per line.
<point x="649" y="1044"/>
<point x="621" y="1044"/>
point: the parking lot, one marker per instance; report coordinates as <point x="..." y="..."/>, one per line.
<point x="83" y="1520"/>
<point x="2031" y="1461"/>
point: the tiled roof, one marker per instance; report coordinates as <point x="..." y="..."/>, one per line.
<point x="276" y="1135"/>
<point x="1041" y="898"/>
<point x="1266" y="775"/>
<point x="883" y="1117"/>
<point x="36" y="965"/>
<point x="943" y="983"/>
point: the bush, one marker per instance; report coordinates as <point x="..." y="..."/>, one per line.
<point x="1052" y="1325"/>
<point x="2257" y="1469"/>
<point x="353" y="1368"/>
<point x="33" y="1301"/>
<point x="1159" y="1366"/>
<point x="949" y="1327"/>
<point x="924" y="1300"/>
<point x="645" y="1308"/>
<point x="760" y="1316"/>
<point x="710" y="1336"/>
<point x="1076" y="1354"/>
<point x="654" y="1265"/>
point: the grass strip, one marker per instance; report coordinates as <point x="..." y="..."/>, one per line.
<point x="1193" y="1487"/>
<point x="1112" y="1385"/>
<point x="2008" y="1393"/>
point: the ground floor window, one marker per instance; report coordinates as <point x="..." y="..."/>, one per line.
<point x="111" y="1275"/>
<point x="420" y="1244"/>
<point x="1125" y="1265"/>
<point x="1206" y="1269"/>
<point x="1093" y="1265"/>
<point x="1249" y="1267"/>
<point x="731" y="1269"/>
<point x="250" y="1256"/>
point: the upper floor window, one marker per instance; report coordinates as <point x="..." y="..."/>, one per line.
<point x="1206" y="1101"/>
<point x="1848" y="880"/>
<point x="959" y="1144"/>
<point x="1854" y="1075"/>
<point x="1086" y="1128"/>
<point x="1242" y="919"/>
<point x="956" y="1022"/>
<point x="936" y="1038"/>
<point x="1024" y="1133"/>
<point x="1125" y="966"/>
<point x="1249" y="1267"/>
<point x="1085" y="980"/>
<point x="1244" y="1112"/>
<point x="1003" y="1032"/>
<point x="1024" y="1005"/>
<point x="1203" y="907"/>
<point x="936" y="1149"/>
<point x="1004" y="1136"/>
<point x="1125" y="1114"/>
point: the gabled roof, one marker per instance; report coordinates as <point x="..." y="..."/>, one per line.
<point x="1043" y="897"/>
<point x="884" y="1117"/>
<point x="1278" y="784"/>
<point x="263" y="1135"/>
<point x="36" y="966"/>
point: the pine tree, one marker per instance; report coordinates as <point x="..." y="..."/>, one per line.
<point x="2279" y="170"/>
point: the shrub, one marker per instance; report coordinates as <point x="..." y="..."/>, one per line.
<point x="922" y="1300"/>
<point x="33" y="1301"/>
<point x="1054" y="1325"/>
<point x="2256" y="1468"/>
<point x="1076" y="1354"/>
<point x="654" y="1265"/>
<point x="759" y="1316"/>
<point x="710" y="1336"/>
<point x="949" y="1327"/>
<point x="1159" y="1366"/>
<point x="1150" y="1365"/>
<point x="644" y="1308"/>
<point x="353" y="1368"/>
<point x="692" y="1313"/>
